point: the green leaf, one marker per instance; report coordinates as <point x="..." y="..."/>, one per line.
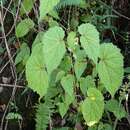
<point x="23" y="55"/>
<point x="26" y="7"/>
<point x="79" y="68"/>
<point x="69" y="99"/>
<point x="92" y="127"/>
<point x="43" y="114"/>
<point x="117" y="109"/>
<point x="93" y="106"/>
<point x="54" y="14"/>
<point x="85" y="83"/>
<point x="104" y="126"/>
<point x="80" y="55"/>
<point x="54" y="48"/>
<point x="71" y="40"/>
<point x="52" y="22"/>
<point x="68" y="83"/>
<point x="83" y="86"/>
<point x="127" y="70"/>
<point x="36" y="74"/>
<point x="13" y="116"/>
<point x="60" y="75"/>
<point x="64" y="3"/>
<point x="38" y="39"/>
<point x="63" y="128"/>
<point x="90" y="82"/>
<point x="107" y="127"/>
<point x="90" y="40"/>
<point x="63" y="108"/>
<point x="46" y="6"/>
<point x="24" y="27"/>
<point x="110" y="67"/>
<point x="66" y="64"/>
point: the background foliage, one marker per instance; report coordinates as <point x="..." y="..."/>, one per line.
<point x="64" y="64"/>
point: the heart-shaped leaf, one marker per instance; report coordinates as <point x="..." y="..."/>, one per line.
<point x="36" y="74"/>
<point x="90" y="40"/>
<point x="54" y="48"/>
<point x="110" y="67"/>
<point x="93" y="106"/>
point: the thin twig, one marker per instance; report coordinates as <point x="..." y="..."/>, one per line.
<point x="5" y="40"/>
<point x="127" y="108"/>
<point x="7" y="10"/>
<point x="10" y="85"/>
<point x="2" y="69"/>
<point x="115" y="11"/>
<point x="11" y="62"/>
<point x="15" y="20"/>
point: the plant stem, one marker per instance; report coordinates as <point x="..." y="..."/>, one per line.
<point x="115" y="124"/>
